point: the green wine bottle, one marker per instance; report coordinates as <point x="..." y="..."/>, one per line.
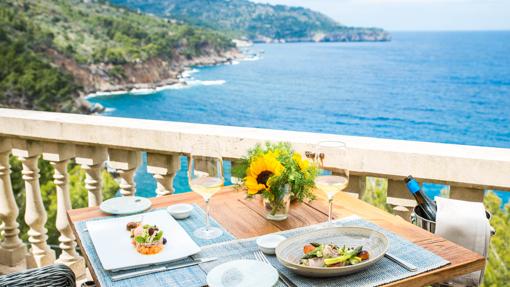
<point x="427" y="205"/>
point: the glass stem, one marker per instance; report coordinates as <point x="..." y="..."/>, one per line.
<point x="207" y="214"/>
<point x="330" y="201"/>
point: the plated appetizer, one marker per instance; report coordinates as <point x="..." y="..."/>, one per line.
<point x="147" y="239"/>
<point x="331" y="255"/>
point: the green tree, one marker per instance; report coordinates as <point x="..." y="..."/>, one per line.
<point x="497" y="272"/>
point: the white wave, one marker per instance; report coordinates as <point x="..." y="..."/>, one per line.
<point x="109" y="110"/>
<point x="187" y="73"/>
<point x="206" y="83"/>
<point x="252" y="58"/>
<point x="142" y="91"/>
<point x="178" y="86"/>
<point x="102" y="94"/>
<point x="235" y="63"/>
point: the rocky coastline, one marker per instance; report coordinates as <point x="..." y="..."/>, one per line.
<point x="143" y="77"/>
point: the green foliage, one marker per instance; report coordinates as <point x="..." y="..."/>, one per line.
<point x="26" y="80"/>
<point x="100" y="33"/>
<point x="77" y="191"/>
<point x="256" y="21"/>
<point x="375" y="193"/>
<point x="497" y="272"/>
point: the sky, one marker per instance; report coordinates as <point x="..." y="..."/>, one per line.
<point x="413" y="15"/>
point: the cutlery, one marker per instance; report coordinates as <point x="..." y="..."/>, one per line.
<point x="401" y="262"/>
<point x="261" y="257"/>
<point x="160" y="269"/>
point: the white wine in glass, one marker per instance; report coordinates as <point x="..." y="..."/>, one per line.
<point x="328" y="182"/>
<point x="205" y="175"/>
<point x="331" y="184"/>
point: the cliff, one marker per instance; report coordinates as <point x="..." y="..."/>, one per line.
<point x="54" y="52"/>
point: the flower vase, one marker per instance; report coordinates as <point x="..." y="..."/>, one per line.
<point x="278" y="208"/>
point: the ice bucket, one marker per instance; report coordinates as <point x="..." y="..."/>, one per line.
<point x="418" y="219"/>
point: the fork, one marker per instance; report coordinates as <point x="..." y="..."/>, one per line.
<point x="261" y="257"/>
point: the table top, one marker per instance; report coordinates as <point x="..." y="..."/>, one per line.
<point x="245" y="218"/>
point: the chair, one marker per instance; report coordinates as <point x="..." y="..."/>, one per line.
<point x="57" y="275"/>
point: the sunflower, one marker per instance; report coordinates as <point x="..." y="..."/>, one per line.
<point x="260" y="171"/>
<point x="302" y="163"/>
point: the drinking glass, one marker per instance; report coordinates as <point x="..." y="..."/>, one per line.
<point x="205" y="175"/>
<point x="331" y="180"/>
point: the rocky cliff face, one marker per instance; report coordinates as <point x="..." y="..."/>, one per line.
<point x="141" y="75"/>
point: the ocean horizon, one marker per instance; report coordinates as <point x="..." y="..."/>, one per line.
<point x="448" y="87"/>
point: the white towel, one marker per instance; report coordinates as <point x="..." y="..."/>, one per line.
<point x="466" y="224"/>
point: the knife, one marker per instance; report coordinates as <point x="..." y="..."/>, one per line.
<point x="161" y="269"/>
<point x="401" y="262"/>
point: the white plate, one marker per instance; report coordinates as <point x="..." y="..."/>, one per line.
<point x="125" y="205"/>
<point x="112" y="241"/>
<point x="243" y="273"/>
<point x="290" y="250"/>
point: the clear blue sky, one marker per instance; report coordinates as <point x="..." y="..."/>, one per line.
<point x="413" y="15"/>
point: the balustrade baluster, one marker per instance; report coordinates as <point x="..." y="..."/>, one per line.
<point x="125" y="162"/>
<point x="12" y="250"/>
<point x="400" y="199"/>
<point x="92" y="160"/>
<point x="59" y="155"/>
<point x="35" y="215"/>
<point x="163" y="168"/>
<point x="357" y="185"/>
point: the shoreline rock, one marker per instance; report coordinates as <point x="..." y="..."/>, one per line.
<point x="139" y="77"/>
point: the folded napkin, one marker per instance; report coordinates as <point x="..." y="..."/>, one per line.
<point x="466" y="224"/>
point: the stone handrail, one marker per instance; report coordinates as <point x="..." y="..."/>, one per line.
<point x="93" y="140"/>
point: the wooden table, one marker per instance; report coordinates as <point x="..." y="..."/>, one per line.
<point x="244" y="218"/>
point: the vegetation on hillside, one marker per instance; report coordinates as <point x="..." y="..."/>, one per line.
<point x="26" y="79"/>
<point x="100" y="33"/>
<point x="51" y="48"/>
<point x="256" y="21"/>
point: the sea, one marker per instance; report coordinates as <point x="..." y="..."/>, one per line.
<point x="447" y="87"/>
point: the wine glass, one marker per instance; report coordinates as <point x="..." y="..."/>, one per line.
<point x="205" y="176"/>
<point x="331" y="180"/>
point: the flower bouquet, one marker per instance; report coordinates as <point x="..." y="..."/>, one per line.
<point x="279" y="174"/>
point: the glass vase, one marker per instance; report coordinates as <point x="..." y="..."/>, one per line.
<point x="278" y="209"/>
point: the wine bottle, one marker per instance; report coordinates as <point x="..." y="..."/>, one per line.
<point x="427" y="205"/>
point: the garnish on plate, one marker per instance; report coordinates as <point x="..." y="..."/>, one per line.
<point x="147" y="239"/>
<point x="331" y="255"/>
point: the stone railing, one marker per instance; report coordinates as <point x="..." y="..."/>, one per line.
<point x="93" y="140"/>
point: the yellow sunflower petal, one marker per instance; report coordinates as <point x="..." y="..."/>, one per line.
<point x="252" y="185"/>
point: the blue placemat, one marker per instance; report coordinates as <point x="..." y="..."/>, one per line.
<point x="226" y="249"/>
<point x="383" y="272"/>
<point x="186" y="277"/>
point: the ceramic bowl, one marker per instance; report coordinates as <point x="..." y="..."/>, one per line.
<point x="180" y="210"/>
<point x="290" y="251"/>
<point x="268" y="243"/>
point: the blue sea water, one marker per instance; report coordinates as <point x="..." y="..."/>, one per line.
<point x="449" y="87"/>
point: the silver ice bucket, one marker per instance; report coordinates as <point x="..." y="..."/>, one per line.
<point x="418" y="219"/>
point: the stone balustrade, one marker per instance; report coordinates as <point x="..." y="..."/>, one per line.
<point x="94" y="140"/>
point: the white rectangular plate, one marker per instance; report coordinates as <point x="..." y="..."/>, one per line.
<point x="113" y="242"/>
